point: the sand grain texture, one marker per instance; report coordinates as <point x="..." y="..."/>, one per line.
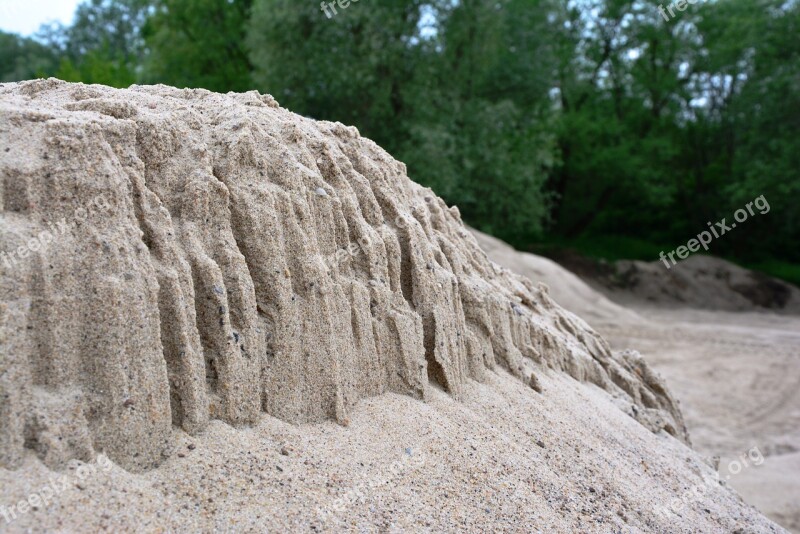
<point x="198" y="291"/>
<point x="736" y="374"/>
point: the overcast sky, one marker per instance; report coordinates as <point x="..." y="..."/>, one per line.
<point x="25" y="16"/>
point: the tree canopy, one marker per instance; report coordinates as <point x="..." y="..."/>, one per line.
<point x="543" y="120"/>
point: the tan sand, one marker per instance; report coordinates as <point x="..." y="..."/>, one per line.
<point x="567" y="289"/>
<point x="736" y="375"/>
<point x="223" y="316"/>
<point x="507" y="459"/>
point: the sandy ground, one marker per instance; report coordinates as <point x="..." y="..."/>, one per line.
<point x="208" y="290"/>
<point x="735" y="374"/>
<point x="506" y="460"/>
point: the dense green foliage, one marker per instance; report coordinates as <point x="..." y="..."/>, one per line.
<point x="596" y="123"/>
<point x="103" y="45"/>
<point x="23" y="58"/>
<point x="198" y="43"/>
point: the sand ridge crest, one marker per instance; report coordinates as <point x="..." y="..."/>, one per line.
<point x="205" y="289"/>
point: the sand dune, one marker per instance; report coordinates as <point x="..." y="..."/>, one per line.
<point x="218" y="315"/>
<point x="567" y="289"/>
<point x="698" y="282"/>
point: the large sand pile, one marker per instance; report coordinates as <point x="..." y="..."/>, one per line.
<point x="180" y="261"/>
<point x="699" y="281"/>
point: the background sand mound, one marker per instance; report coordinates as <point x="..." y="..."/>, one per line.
<point x="214" y="256"/>
<point x="566" y="288"/>
<point x="699" y="281"/>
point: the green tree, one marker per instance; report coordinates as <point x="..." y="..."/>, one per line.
<point x="103" y="44"/>
<point x="22" y="58"/>
<point x="754" y="111"/>
<point x="619" y="80"/>
<point x="355" y="67"/>
<point x="494" y="75"/>
<point x="198" y="43"/>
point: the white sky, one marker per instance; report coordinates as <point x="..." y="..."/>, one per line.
<point x="25" y="16"/>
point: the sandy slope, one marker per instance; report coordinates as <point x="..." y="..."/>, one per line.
<point x="570" y="291"/>
<point x="265" y="325"/>
<point x="735" y="374"/>
<point x="508" y="459"/>
<point x="175" y="257"/>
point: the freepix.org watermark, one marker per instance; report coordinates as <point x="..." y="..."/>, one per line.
<point x="697" y="492"/>
<point x="47" y="494"/>
<point x="343" y="4"/>
<point x="407" y="463"/>
<point x="680" y="5"/>
<point x="362" y="244"/>
<point x="718" y="229"/>
<point x="54" y="231"/>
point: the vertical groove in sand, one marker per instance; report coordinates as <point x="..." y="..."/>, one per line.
<point x="212" y="285"/>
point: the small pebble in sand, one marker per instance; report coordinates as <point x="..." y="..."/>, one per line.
<point x="321" y="192"/>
